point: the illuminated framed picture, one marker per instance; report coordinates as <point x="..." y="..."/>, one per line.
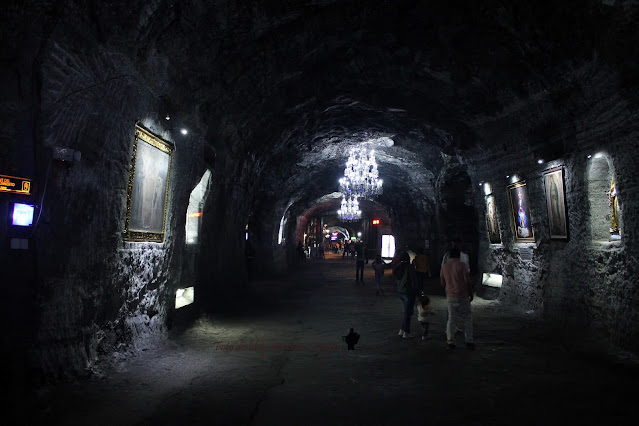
<point x="520" y="209"/>
<point x="148" y="188"/>
<point x="556" y="203"/>
<point x="491" y="220"/>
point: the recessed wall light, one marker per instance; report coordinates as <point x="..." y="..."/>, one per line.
<point x="589" y="156"/>
<point x="167" y="117"/>
<point x="540" y="161"/>
<point x="507" y="176"/>
<point x="184" y="131"/>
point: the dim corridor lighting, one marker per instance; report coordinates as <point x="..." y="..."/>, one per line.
<point x="589" y="156"/>
<point x="184" y="131"/>
<point x="167" y="117"/>
<point x="540" y="161"/>
<point x="507" y="176"/>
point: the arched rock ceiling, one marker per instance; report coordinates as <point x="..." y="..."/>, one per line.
<point x="296" y="83"/>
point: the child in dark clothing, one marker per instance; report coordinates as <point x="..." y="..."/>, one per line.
<point x="378" y="266"/>
<point x="424" y="313"/>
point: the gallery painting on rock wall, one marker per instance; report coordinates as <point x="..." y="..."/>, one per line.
<point x="556" y="203"/>
<point x="147" y="191"/>
<point x="491" y="220"/>
<point x="520" y="208"/>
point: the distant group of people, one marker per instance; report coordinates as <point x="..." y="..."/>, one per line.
<point x="316" y="251"/>
<point x="454" y="277"/>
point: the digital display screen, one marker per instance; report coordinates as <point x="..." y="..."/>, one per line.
<point x="22" y="214"/>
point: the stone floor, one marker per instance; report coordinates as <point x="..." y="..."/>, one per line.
<point x="294" y="368"/>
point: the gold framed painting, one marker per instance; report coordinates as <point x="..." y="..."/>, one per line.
<point x="148" y="188"/>
<point x="554" y="185"/>
<point x="520" y="209"/>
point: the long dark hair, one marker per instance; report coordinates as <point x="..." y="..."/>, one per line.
<point x="400" y="270"/>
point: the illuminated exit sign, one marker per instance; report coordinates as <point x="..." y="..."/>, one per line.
<point x="15" y="184"/>
<point x="375" y="221"/>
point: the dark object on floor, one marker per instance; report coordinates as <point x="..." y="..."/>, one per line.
<point x="470" y="345"/>
<point x="351" y="339"/>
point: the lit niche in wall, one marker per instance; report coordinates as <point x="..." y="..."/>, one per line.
<point x="605" y="215"/>
<point x="148" y="187"/>
<point x="492" y="222"/>
<point x="194" y="210"/>
<point x="184" y="296"/>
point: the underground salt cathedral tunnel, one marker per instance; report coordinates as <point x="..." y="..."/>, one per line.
<point x="179" y="182"/>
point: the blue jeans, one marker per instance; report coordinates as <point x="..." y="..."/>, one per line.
<point x="409" y="305"/>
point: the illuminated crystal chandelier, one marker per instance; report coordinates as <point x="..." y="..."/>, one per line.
<point x="361" y="178"/>
<point x="349" y="211"/>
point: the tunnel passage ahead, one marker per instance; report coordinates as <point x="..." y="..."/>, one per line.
<point x="279" y="359"/>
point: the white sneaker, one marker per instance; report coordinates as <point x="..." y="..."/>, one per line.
<point x="408" y="335"/>
<point x="401" y="332"/>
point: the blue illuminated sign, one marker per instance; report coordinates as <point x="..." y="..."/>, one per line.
<point x="22" y="214"/>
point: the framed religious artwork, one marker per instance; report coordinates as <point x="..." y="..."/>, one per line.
<point x="148" y="188"/>
<point x="556" y="203"/>
<point x="520" y="208"/>
<point x="491" y="220"/>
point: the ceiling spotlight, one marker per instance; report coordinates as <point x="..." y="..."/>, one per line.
<point x="507" y="176"/>
<point x="481" y="183"/>
<point x="184" y="131"/>
<point x="167" y="117"/>
<point x="540" y="161"/>
<point x="589" y="156"/>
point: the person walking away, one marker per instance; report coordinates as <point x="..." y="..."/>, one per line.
<point x="379" y="266"/>
<point x="405" y="274"/>
<point x="459" y="294"/>
<point x="424" y="313"/>
<point x="455" y="243"/>
<point x="359" y="263"/>
<point x="421" y="268"/>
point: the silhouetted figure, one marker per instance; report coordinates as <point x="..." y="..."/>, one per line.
<point x="300" y="251"/>
<point x="351" y="339"/>
<point x="359" y="264"/>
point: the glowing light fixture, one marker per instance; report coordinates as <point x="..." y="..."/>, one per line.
<point x="589" y="156"/>
<point x="167" y="117"/>
<point x="388" y="246"/>
<point x="22" y="214"/>
<point x="375" y="221"/>
<point x="540" y="161"/>
<point x="184" y="296"/>
<point x="492" y="280"/>
<point x="184" y="131"/>
<point x="361" y="177"/>
<point x="349" y="210"/>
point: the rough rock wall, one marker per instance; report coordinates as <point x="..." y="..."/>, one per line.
<point x="94" y="294"/>
<point x="585" y="280"/>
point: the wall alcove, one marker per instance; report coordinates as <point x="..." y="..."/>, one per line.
<point x="600" y="175"/>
